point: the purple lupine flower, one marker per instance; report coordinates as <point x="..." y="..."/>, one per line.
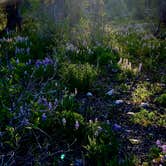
<point x="50" y="106"/>
<point x="25" y="122"/>
<point x="45" y="62"/>
<point x="55" y="103"/>
<point x="21" y="110"/>
<point x="77" y="125"/>
<point x="38" y="63"/>
<point x="44" y="101"/>
<point x="28" y="50"/>
<point x="17" y="61"/>
<point x="163" y="147"/>
<point x="44" y="117"/>
<point x="158" y="143"/>
<point x="16" y="50"/>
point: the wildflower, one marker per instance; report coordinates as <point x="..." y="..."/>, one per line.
<point x="20" y="39"/>
<point x="99" y="128"/>
<point x="108" y="122"/>
<point x="140" y="67"/>
<point x="44" y="117"/>
<point x="75" y="91"/>
<point x="77" y="125"/>
<point x="21" y="110"/>
<point x="96" y="120"/>
<point x="55" y="103"/>
<point x="25" y="72"/>
<point x="96" y="133"/>
<point x="163" y="147"/>
<point x="29" y="62"/>
<point x="38" y="63"/>
<point x="50" y="106"/>
<point x="70" y="47"/>
<point x="158" y="143"/>
<point x="90" y="121"/>
<point x="45" y="62"/>
<point x="17" y="61"/>
<point x="43" y="101"/>
<point x="25" y="122"/>
<point x="28" y="50"/>
<point x="64" y="121"/>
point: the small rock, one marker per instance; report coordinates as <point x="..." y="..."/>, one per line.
<point x="116" y="127"/>
<point x="118" y="102"/>
<point x="89" y="94"/>
<point x="144" y="105"/>
<point x="130" y="113"/>
<point x="128" y="131"/>
<point x="78" y="162"/>
<point x="114" y="70"/>
<point x="135" y="141"/>
<point x="110" y="92"/>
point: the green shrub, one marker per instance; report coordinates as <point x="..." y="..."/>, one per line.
<point x="146" y="118"/>
<point x="141" y="93"/>
<point x="80" y="76"/>
<point x="68" y="102"/>
<point x="161" y="99"/>
<point x="154" y="152"/>
<point x="143" y="117"/>
<point x="65" y="125"/>
<point x="102" y="145"/>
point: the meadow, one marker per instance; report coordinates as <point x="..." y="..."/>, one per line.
<point x="73" y="96"/>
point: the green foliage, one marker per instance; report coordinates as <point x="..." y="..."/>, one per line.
<point x="68" y="102"/>
<point x="102" y="144"/>
<point x="63" y="125"/>
<point x="146" y="118"/>
<point x="141" y="93"/>
<point x="154" y="152"/>
<point x="140" y="46"/>
<point x="161" y="99"/>
<point x="79" y="76"/>
<point x="35" y="106"/>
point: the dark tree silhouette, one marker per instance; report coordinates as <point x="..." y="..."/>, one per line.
<point x="162" y="11"/>
<point x="13" y="15"/>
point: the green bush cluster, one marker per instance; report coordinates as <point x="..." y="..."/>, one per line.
<point x="141" y="93"/>
<point x="79" y="76"/>
<point x="161" y="99"/>
<point x="146" y="118"/>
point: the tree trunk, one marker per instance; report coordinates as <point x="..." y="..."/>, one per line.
<point x="162" y="11"/>
<point x="14" y="19"/>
